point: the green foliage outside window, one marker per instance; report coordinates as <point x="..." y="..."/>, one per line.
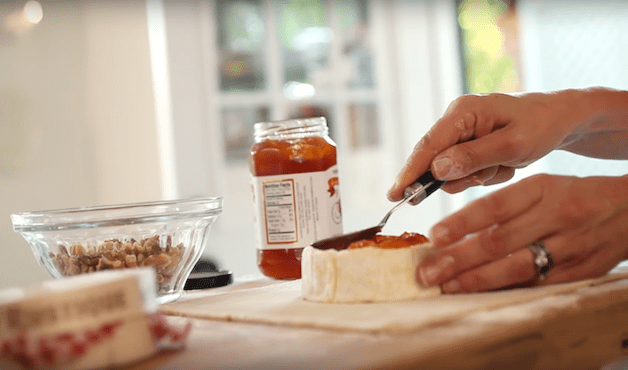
<point x="488" y="68"/>
<point x="295" y="15"/>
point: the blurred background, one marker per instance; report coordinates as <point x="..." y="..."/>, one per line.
<point x="106" y="102"/>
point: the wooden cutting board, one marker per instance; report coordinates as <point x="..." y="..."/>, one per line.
<point x="252" y="325"/>
<point x="279" y="303"/>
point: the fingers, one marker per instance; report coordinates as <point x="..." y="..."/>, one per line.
<point x="488" y="230"/>
<point x="468" y="117"/>
<point x="484" y="246"/>
<point x="496" y="208"/>
<point x="504" y="174"/>
<point x="488" y="176"/>
<point x="460" y="123"/>
<point x="483" y="249"/>
<point x="502" y="147"/>
<point x="516" y="269"/>
<point x="419" y="160"/>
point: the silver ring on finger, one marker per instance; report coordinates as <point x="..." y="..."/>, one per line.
<point x="542" y="259"/>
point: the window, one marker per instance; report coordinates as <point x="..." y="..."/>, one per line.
<point x="380" y="72"/>
<point x="284" y="59"/>
<point x="241" y="43"/>
<point x="490" y="45"/>
<point x="525" y="45"/>
<point x="292" y="58"/>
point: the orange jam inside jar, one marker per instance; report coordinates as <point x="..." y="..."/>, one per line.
<point x="295" y="192"/>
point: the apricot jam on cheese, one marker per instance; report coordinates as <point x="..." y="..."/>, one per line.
<point x="391" y="242"/>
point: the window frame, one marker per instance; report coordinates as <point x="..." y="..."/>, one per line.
<point x="418" y="74"/>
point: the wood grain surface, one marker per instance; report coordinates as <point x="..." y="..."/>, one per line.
<point x="584" y="328"/>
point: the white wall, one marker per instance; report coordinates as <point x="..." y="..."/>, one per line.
<point x="76" y="118"/>
<point x="83" y="128"/>
<point x="46" y="162"/>
<point x="119" y="102"/>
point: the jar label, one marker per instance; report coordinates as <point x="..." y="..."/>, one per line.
<point x="295" y="210"/>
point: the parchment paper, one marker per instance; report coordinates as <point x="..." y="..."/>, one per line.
<point x="279" y="302"/>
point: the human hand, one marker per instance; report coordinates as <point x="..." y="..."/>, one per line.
<point x="481" y="140"/>
<point x="581" y="221"/>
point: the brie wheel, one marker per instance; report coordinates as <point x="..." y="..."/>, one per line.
<point x="367" y="274"/>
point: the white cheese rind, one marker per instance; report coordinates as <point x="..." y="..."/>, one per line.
<point x="81" y="304"/>
<point x="363" y="275"/>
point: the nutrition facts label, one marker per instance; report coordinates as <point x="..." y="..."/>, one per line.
<point x="281" y="221"/>
<point x="295" y="210"/>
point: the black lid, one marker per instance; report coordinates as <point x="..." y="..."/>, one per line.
<point x="206" y="280"/>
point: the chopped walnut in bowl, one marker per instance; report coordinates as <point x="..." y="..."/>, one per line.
<point x="169" y="236"/>
<point x="115" y="254"/>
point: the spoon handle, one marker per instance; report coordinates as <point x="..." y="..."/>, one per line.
<point x="423" y="186"/>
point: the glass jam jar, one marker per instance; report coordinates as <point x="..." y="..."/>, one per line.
<point x="295" y="192"/>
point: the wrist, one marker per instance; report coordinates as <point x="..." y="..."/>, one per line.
<point x="591" y="111"/>
<point x="604" y="109"/>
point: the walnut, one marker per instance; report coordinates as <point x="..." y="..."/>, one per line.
<point x="117" y="254"/>
<point x="130" y="260"/>
<point x="77" y="249"/>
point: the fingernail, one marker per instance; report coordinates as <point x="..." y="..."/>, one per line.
<point x="451" y="287"/>
<point x="389" y="193"/>
<point x="445" y="169"/>
<point x="439" y="234"/>
<point x="393" y="187"/>
<point x="428" y="275"/>
<point x="476" y="181"/>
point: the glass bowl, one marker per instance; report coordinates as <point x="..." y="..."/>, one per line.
<point x="169" y="236"/>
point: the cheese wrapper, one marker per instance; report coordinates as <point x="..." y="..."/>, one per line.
<point x="91" y="321"/>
